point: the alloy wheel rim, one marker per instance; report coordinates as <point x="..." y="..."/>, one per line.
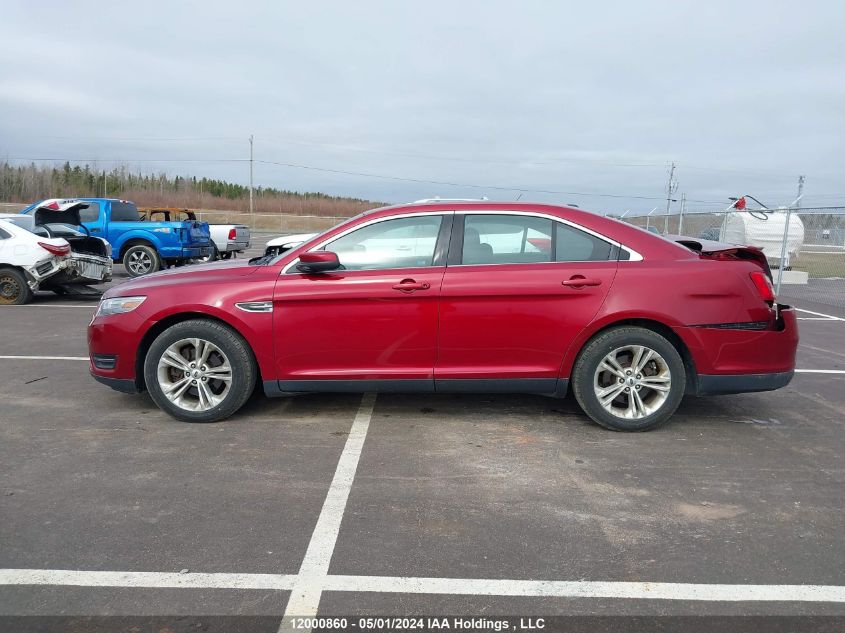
<point x="194" y="374"/>
<point x="632" y="382"/>
<point x="140" y="262"/>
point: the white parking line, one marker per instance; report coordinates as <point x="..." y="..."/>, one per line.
<point x="44" y="357"/>
<point x="590" y="589"/>
<point x="167" y="580"/>
<point x="305" y="597"/>
<point x="820" y="371"/>
<point x="703" y="592"/>
<point x="820" y="314"/>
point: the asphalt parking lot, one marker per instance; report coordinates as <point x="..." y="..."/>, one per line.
<point x="399" y="504"/>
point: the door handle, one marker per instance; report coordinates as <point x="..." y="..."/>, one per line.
<point x="578" y="281"/>
<point x="409" y="285"/>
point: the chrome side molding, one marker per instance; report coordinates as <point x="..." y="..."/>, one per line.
<point x="255" y="306"/>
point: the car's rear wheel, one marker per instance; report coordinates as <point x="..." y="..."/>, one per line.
<point x="200" y="371"/>
<point x="141" y="260"/>
<point x="629" y="379"/>
<point x="14" y="290"/>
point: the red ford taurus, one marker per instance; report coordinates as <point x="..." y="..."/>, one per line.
<point x="444" y="296"/>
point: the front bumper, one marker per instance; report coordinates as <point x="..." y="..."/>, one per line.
<point x="123" y="385"/>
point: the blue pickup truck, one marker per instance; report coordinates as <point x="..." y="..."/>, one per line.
<point x="142" y="246"/>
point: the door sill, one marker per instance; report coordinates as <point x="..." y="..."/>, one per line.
<point x="556" y="387"/>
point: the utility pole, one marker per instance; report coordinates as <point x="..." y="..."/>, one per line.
<point x="671" y="187"/>
<point x="105" y="185"/>
<point x="250" y="175"/>
<point x="783" y="251"/>
<point x="681" y="217"/>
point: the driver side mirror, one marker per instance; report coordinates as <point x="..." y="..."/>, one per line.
<point x="318" y="262"/>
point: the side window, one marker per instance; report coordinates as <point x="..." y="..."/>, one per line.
<point x="400" y="243"/>
<point x="91" y="214"/>
<point x="124" y="212"/>
<point x="574" y="245"/>
<point x="506" y="239"/>
<point x="4" y="235"/>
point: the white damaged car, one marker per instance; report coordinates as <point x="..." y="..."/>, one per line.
<point x="50" y="250"/>
<point x="284" y="243"/>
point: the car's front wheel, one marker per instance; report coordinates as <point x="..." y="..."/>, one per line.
<point x="629" y="379"/>
<point x="200" y="371"/>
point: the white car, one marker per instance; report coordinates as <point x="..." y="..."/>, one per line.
<point x="284" y="243"/>
<point x="55" y="256"/>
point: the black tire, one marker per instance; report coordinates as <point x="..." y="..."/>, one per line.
<point x="236" y="350"/>
<point x="14" y="290"/>
<point x="595" y="351"/>
<point x="140" y="260"/>
<point x="226" y="255"/>
<point x="215" y="255"/>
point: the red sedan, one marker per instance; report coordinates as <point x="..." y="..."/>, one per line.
<point x="456" y="297"/>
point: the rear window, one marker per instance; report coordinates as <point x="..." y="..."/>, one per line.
<point x="574" y="245"/>
<point x="124" y="212"/>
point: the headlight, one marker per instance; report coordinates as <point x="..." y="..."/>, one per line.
<point x="118" y="305"/>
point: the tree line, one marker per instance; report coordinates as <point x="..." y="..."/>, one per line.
<point x="29" y="183"/>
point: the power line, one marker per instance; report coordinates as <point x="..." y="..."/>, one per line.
<point x="366" y="175"/>
<point x="456" y="184"/>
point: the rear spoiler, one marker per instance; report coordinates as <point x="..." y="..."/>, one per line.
<point x="710" y="249"/>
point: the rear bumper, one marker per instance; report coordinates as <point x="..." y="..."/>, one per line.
<point x="712" y="385"/>
<point x="743" y="352"/>
<point x="187" y="252"/>
<point x="236" y="246"/>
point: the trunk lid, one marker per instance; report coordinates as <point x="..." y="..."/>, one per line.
<point x="708" y="249"/>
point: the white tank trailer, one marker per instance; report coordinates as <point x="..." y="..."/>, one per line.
<point x="741" y="227"/>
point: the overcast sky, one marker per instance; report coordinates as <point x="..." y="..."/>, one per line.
<point x="576" y="98"/>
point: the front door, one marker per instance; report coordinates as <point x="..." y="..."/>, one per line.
<point x="519" y="288"/>
<point x="374" y="320"/>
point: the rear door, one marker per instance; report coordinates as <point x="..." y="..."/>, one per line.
<point x="518" y="289"/>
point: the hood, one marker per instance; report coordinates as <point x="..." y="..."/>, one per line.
<point x="56" y="211"/>
<point x="198" y="273"/>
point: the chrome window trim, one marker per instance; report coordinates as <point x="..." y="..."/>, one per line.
<point x="633" y="256"/>
<point x="322" y="244"/>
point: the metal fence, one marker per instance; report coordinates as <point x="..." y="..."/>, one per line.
<point x="814" y="269"/>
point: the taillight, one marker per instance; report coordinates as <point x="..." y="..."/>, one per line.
<point x="764" y="286"/>
<point x="55" y="249"/>
<point x="232" y="234"/>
